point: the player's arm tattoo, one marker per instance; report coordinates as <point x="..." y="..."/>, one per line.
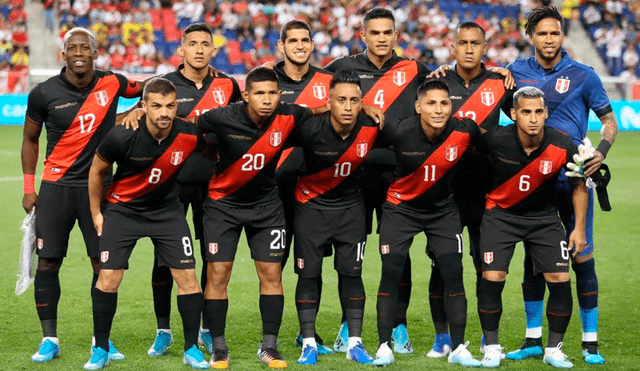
<point x="608" y="135"/>
<point x="609" y="127"/>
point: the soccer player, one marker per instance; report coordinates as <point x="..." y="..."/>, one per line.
<point x="78" y="107"/>
<point x="420" y="199"/>
<point x="143" y="202"/>
<point x="527" y="158"/>
<point x="571" y="90"/>
<point x="479" y="94"/>
<point x="388" y="82"/>
<point x="329" y="210"/>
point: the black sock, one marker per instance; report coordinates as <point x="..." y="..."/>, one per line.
<point x="215" y="316"/>
<point x="533" y="286"/>
<point x="354" y="299"/>
<point x="559" y="307"/>
<point x="455" y="298"/>
<point x="271" y="308"/>
<point x="47" y="295"/>
<point x="162" y="284"/>
<point x="404" y="294"/>
<point x="490" y="309"/>
<point x="392" y="265"/>
<point x="344" y="315"/>
<point x="436" y="300"/>
<point x="306" y="305"/>
<point x="104" y="309"/>
<point x="190" y="308"/>
<point x="205" y="265"/>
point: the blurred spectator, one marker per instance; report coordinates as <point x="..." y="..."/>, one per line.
<point x="592" y="16"/>
<point x="630" y="57"/>
<point x="189" y="9"/>
<point x="20" y="59"/>
<point x="80" y="8"/>
<point x="615" y="40"/>
<point x="103" y="62"/>
<point x="18" y="15"/>
<point x="163" y="65"/>
<point x="19" y="36"/>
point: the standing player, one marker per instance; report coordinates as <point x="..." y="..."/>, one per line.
<point x="329" y="210"/>
<point x="143" y="202"/>
<point x="79" y="107"/>
<point x="478" y="94"/>
<point x="427" y="149"/>
<point x="527" y="159"/>
<point x="388" y="82"/>
<point x="571" y="90"/>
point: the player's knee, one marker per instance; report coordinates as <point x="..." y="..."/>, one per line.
<point x="49" y="264"/>
<point x="109" y="280"/>
<point x="186" y="280"/>
<point x="495" y="276"/>
<point x="582" y="259"/>
<point x="451" y="271"/>
<point x="557" y="277"/>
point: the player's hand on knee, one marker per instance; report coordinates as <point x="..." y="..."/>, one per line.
<point x="98" y="223"/>
<point x="29" y="201"/>
<point x="131" y="121"/>
<point x="577" y="242"/>
<point x="440" y="72"/>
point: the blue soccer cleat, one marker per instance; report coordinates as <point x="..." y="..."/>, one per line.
<point x="194" y="358"/>
<point x="556" y="358"/>
<point x="592" y="358"/>
<point x="309" y="356"/>
<point x="529" y="349"/>
<point x="47" y="351"/>
<point x="462" y="356"/>
<point x="401" y="342"/>
<point x="359" y="354"/>
<point x="384" y="356"/>
<point x="114" y="354"/>
<point x="322" y="349"/>
<point x="204" y="338"/>
<point x="161" y="344"/>
<point x="441" y="346"/>
<point x="342" y="341"/>
<point x="99" y="359"/>
<point x="492" y="356"/>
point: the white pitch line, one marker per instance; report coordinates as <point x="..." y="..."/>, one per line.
<point x="14" y="178"/>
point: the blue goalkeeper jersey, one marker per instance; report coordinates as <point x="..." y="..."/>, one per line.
<point x="570" y="90"/>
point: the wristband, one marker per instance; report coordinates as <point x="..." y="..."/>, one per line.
<point x="29" y="183"/>
<point x="604" y="147"/>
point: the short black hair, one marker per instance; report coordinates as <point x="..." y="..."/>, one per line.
<point x="345" y="76"/>
<point x="378" y="13"/>
<point x="467" y="26"/>
<point x="432" y="84"/>
<point x="294" y="25"/>
<point x="540" y="13"/>
<point x="196" y="27"/>
<point x="259" y="74"/>
<point x="160" y="86"/>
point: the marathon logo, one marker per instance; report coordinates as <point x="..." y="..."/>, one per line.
<point x="546" y="167"/>
<point x="319" y="91"/>
<point x="104" y="256"/>
<point x="562" y="85"/>
<point x="213" y="248"/>
<point x="176" y="158"/>
<point x="362" y="149"/>
<point x="384" y="249"/>
<point x="300" y="263"/>
<point x="40" y="243"/>
<point x="288" y="92"/>
<point x="365" y="76"/>
<point x="562" y="264"/>
<point x="218" y="96"/>
<point x="488" y="257"/>
<point x="102" y="98"/>
<point x="275" y="138"/>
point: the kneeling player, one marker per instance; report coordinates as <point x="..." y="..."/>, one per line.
<point x="527" y="158"/>
<point x="143" y="202"/>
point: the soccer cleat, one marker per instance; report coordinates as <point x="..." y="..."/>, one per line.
<point x="591" y="355"/>
<point x="441" y="346"/>
<point x="219" y="359"/>
<point x="99" y="359"/>
<point x="161" y="344"/>
<point x="359" y="354"/>
<point x="272" y="358"/>
<point x="483" y="344"/>
<point x="342" y="340"/>
<point x="47" y="351"/>
<point x="322" y="349"/>
<point x="384" y="356"/>
<point x="309" y="356"/>
<point x="194" y="358"/>
<point x="401" y="342"/>
<point x="492" y="356"/>
<point x="114" y="354"/>
<point x="462" y="356"/>
<point x="556" y="358"/>
<point x="530" y="348"/>
<point x="204" y="338"/>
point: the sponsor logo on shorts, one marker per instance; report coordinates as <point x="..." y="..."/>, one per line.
<point x="488" y="257"/>
<point x="104" y="256"/>
<point x="40" y="243"/>
<point x="384" y="249"/>
<point x="275" y="138"/>
<point x="213" y="248"/>
<point x="546" y="167"/>
<point x="276" y="254"/>
<point x="187" y="261"/>
<point x="562" y="264"/>
<point x="176" y="158"/>
<point x="300" y="263"/>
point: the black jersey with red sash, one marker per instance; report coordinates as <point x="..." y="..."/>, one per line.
<point x="332" y="176"/>
<point x="146" y="173"/>
<point x="525" y="185"/>
<point x="215" y="92"/>
<point x="245" y="175"/>
<point x="426" y="169"/>
<point x="76" y="121"/>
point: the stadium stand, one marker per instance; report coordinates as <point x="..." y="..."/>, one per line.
<point x="14" y="47"/>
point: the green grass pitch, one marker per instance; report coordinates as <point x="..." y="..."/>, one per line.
<point x="617" y="235"/>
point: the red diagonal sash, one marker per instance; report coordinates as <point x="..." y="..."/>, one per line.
<point x="521" y="185"/>
<point x="127" y="189"/>
<point x="493" y="91"/>
<point x="389" y="87"/>
<point x="217" y="95"/>
<point x="316" y="93"/>
<point x="77" y="136"/>
<point x="431" y="171"/>
<point x="239" y="173"/>
<point x="314" y="185"/>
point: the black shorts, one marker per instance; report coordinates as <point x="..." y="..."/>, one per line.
<point x="167" y="228"/>
<point x="58" y="209"/>
<point x="315" y="229"/>
<point x="543" y="236"/>
<point x="264" y="226"/>
<point x="442" y="227"/>
<point x="194" y="195"/>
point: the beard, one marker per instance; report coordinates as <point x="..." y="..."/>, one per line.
<point x="295" y="62"/>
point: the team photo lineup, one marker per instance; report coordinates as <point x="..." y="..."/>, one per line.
<point x="307" y="162"/>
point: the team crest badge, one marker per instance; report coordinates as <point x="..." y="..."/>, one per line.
<point x="487" y="98"/>
<point x="399" y="78"/>
<point x="562" y="85"/>
<point x="319" y="91"/>
<point x="546" y="167"/>
<point x="40" y="243"/>
<point x="275" y="139"/>
<point x="102" y="98"/>
<point x="300" y="263"/>
<point x="362" y="149"/>
<point x="104" y="256"/>
<point x="213" y="248"/>
<point x="176" y="158"/>
<point x="384" y="249"/>
<point x="451" y="153"/>
<point x="218" y="96"/>
<point x="488" y="257"/>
